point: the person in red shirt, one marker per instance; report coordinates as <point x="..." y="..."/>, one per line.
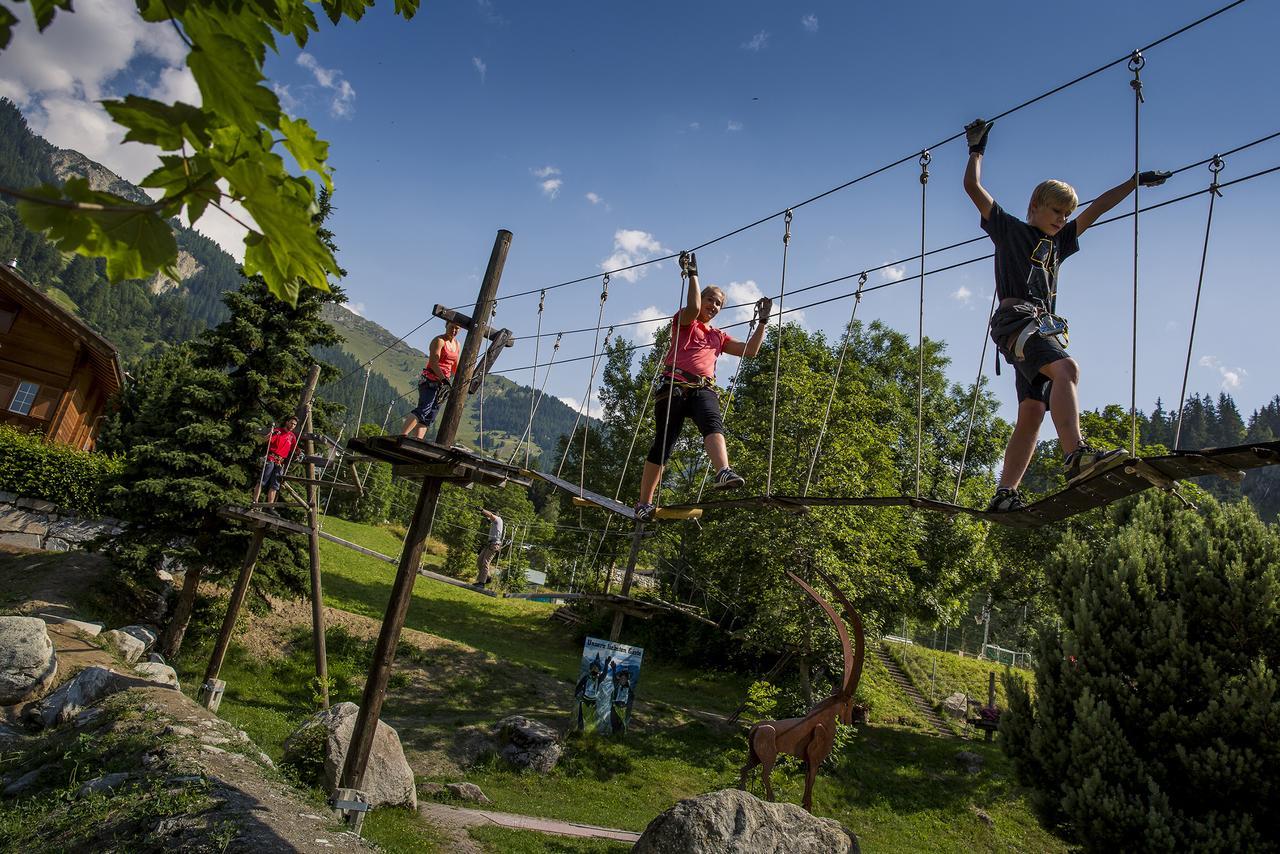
<point x="437" y="377"/>
<point x="688" y="384"/>
<point x="280" y="445"/>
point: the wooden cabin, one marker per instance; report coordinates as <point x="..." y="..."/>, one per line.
<point x="56" y="374"/>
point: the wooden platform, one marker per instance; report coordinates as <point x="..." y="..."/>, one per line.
<point x="327" y="484"/>
<point x="262" y="519"/>
<point x="587" y="498"/>
<point x="1128" y="477"/>
<point x="418" y="458"/>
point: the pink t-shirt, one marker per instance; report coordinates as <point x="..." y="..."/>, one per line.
<point x="698" y="346"/>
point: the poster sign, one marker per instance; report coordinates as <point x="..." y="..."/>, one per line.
<point x="606" y="688"/>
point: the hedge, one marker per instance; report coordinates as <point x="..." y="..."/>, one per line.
<point x="74" y="480"/>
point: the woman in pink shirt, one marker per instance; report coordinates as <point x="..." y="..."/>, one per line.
<point x="688" y="384"/>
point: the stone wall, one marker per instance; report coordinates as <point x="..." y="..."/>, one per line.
<point x="35" y="524"/>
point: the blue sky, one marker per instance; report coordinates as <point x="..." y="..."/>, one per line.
<point x="603" y="132"/>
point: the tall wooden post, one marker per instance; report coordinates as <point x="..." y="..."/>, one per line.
<point x="313" y="538"/>
<point x="637" y="537"/>
<point x="375" y="687"/>
<point x="211" y="693"/>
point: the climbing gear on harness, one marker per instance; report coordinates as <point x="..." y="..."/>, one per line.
<point x="1006" y="500"/>
<point x="673" y="376"/>
<point x="1086" y="460"/>
<point x="727" y="478"/>
<point x="688" y="265"/>
<point x="1045" y="325"/>
<point x="975" y="133"/>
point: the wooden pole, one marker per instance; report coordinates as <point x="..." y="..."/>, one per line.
<point x="637" y="536"/>
<point x="375" y="686"/>
<point x="303" y="415"/>
<point x="313" y="543"/>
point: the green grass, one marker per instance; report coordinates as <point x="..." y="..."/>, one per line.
<point x="401" y="831"/>
<point x="944" y="673"/>
<point x="888" y="704"/>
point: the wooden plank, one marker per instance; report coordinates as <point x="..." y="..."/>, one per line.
<point x="329" y="484"/>
<point x="403" y="450"/>
<point x="259" y="519"/>
<point x="591" y="498"/>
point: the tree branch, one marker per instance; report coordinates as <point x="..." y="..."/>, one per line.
<point x="155" y="207"/>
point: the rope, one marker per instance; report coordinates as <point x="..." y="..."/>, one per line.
<point x="973" y="407"/>
<point x="925" y="157"/>
<point x="604" y="296"/>
<point x="777" y="356"/>
<point x="835" y="384"/>
<point x="537" y="342"/>
<point x="586" y="425"/>
<point x="671" y="392"/>
<point x="729" y="398"/>
<point x="1215" y="166"/>
<point x="635" y="433"/>
<point x="363" y="393"/>
<point x="537" y="401"/>
<point x="1136" y="62"/>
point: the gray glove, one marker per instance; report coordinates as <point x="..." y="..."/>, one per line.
<point x="975" y="133"/>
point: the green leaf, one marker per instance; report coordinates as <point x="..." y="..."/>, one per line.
<point x="7" y="22"/>
<point x="297" y="20"/>
<point x="44" y="11"/>
<point x="229" y="83"/>
<point x="353" y="9"/>
<point x="136" y="240"/>
<point x="310" y="151"/>
<point x="186" y="181"/>
<point x="406" y="8"/>
<point x="163" y="125"/>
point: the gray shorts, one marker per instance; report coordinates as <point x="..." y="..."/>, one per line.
<point x="1037" y="353"/>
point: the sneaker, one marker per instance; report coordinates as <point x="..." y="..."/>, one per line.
<point x="1085" y="460"/>
<point x="644" y="511"/>
<point x="727" y="478"/>
<point x="1006" y="501"/>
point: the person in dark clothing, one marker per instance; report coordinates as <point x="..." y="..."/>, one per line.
<point x="1025" y="328"/>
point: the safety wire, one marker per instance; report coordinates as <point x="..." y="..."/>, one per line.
<point x="533" y="402"/>
<point x="595" y="351"/>
<point x="925" y="157"/>
<point x="973" y="407"/>
<point x="777" y="359"/>
<point x="671" y="386"/>
<point x="1215" y="166"/>
<point x="835" y="384"/>
<point x="730" y="397"/>
<point x="1136" y="61"/>
<point x="537" y="401"/>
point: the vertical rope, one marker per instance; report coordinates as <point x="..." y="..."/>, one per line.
<point x="835" y="384"/>
<point x="777" y="356"/>
<point x="1135" y="65"/>
<point x="387" y="417"/>
<point x="586" y="424"/>
<point x="1215" y="166"/>
<point x="973" y="407"/>
<point x="540" y="394"/>
<point x="671" y="391"/>
<point x="925" y="157"/>
<point x="363" y="393"/>
<point x="635" y="433"/>
<point x="537" y="344"/>
<point x="595" y="356"/>
<point x="729" y="398"/>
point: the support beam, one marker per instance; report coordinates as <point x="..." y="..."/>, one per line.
<point x="637" y="537"/>
<point x="313" y="549"/>
<point x="375" y="687"/>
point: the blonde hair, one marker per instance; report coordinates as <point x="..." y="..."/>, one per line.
<point x="710" y="289"/>
<point x="1053" y="192"/>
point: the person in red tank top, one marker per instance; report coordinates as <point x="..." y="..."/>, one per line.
<point x="437" y="378"/>
<point x="688" y="384"/>
<point x="280" y="443"/>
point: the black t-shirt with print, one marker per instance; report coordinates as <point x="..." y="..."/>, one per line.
<point x="1027" y="259"/>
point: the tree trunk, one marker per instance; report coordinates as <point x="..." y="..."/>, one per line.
<point x="171" y="642"/>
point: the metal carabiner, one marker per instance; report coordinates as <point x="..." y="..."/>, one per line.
<point x="925" y="159"/>
<point x="1215" y="166"/>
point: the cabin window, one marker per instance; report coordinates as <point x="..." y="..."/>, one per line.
<point x="23" y="398"/>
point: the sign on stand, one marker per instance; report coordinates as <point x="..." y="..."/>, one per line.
<point x="606" y="688"/>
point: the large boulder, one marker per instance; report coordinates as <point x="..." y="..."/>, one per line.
<point x="326" y="736"/>
<point x="735" y="822"/>
<point x="125" y="645"/>
<point x="956" y="706"/>
<point x="526" y="744"/>
<point x="86" y="688"/>
<point x="28" y="663"/>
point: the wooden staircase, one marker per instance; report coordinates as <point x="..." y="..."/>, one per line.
<point x="917" y="699"/>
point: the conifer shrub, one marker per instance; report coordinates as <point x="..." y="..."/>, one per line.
<point x="1156" y="719"/>
<point x="75" y="480"/>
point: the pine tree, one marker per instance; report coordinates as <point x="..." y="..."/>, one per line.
<point x="1154" y="723"/>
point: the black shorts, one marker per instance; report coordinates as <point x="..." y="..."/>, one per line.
<point x="429" y="399"/>
<point x="1037" y="353"/>
<point x="700" y="404"/>
<point x="272" y="475"/>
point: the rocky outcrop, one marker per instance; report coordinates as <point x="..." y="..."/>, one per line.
<point x="735" y="822"/>
<point x="132" y="642"/>
<point x="526" y="744"/>
<point x="36" y="524"/>
<point x="388" y="779"/>
<point x="67" y="163"/>
<point x="86" y="688"/>
<point x="28" y="663"/>
<point x="186" y="266"/>
<point x="956" y="706"/>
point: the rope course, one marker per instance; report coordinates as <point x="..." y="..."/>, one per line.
<point x="1215" y="167"/>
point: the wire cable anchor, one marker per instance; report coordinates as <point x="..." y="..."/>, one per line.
<point x="1136" y="62"/>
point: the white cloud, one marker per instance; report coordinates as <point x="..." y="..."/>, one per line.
<point x="480" y="66"/>
<point x="695" y="125"/>
<point x="551" y="187"/>
<point x="288" y="102"/>
<point x="545" y="172"/>
<point x="643" y="333"/>
<point x="893" y="274"/>
<point x="595" y="410"/>
<point x="1232" y="377"/>
<point x="744" y="295"/>
<point x="733" y="126"/>
<point x="344" y="94"/>
<point x="486" y="8"/>
<point x="356" y="308"/>
<point x="810" y="23"/>
<point x="756" y="42"/>
<point x="631" y="246"/>
<point x="594" y="199"/>
<point x="962" y="294"/>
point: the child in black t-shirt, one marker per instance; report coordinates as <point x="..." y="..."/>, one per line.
<point x="1024" y="327"/>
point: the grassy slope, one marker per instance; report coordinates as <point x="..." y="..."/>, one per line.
<point x="898" y="788"/>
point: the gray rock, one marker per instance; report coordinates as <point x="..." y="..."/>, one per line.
<point x="467" y="792"/>
<point x="956" y="706"/>
<point x="105" y="784"/>
<point x="126" y="646"/>
<point x="28" y="663"/>
<point x="431" y="790"/>
<point x="73" y="696"/>
<point x="735" y="822"/>
<point x="76" y="530"/>
<point x="38" y="505"/>
<point x="179" y="730"/>
<point x="90" y="629"/>
<point x="26" y="541"/>
<point x="969" y="762"/>
<point x="161" y="674"/>
<point x="156" y="658"/>
<point x="23" y="783"/>
<point x="14" y="521"/>
<point x="527" y="744"/>
<point x="53" y="544"/>
<point x="8" y="497"/>
<point x="388" y="779"/>
<point x="149" y="635"/>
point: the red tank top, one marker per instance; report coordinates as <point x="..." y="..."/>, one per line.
<point x="448" y="361"/>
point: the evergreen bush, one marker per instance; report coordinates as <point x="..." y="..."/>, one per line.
<point x="1156" y="720"/>
<point x="75" y="480"/>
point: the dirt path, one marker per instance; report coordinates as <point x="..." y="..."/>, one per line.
<point x="443" y="814"/>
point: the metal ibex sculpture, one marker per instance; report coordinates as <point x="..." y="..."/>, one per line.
<point x="811" y="737"/>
